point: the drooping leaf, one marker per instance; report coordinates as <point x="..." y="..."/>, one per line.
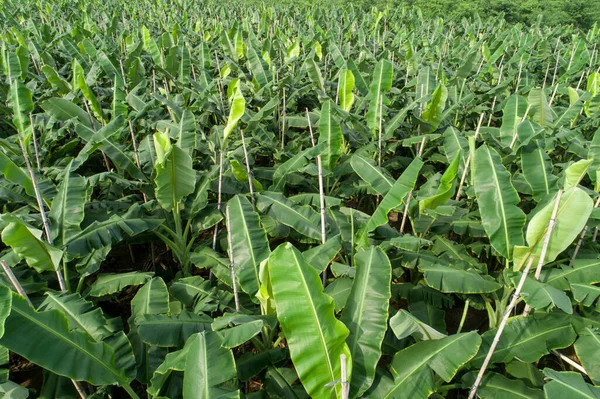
<point x="109" y="283"/>
<point x="26" y="241"/>
<point x="404" y="324"/>
<point x="371" y="174"/>
<point x="455" y="279"/>
<point x="303" y="219"/>
<point x="445" y="190"/>
<point x="392" y="199"/>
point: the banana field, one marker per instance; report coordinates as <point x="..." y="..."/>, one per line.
<point x="206" y="199"/>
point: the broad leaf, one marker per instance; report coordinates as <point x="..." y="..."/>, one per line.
<point x="316" y="339"/>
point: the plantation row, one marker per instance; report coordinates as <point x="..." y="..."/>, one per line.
<point x="209" y="200"/>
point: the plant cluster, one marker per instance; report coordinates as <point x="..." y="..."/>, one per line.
<point x="209" y="200"/>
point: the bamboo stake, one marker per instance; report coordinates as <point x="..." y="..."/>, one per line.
<point x="345" y="387"/>
<point x="582" y="236"/>
<point x="514" y="139"/>
<point x="13" y="280"/>
<point x="219" y="193"/>
<point x="572" y="363"/>
<point x="409" y="196"/>
<point x="248" y="168"/>
<point x="321" y="194"/>
<point x="283" y="116"/>
<point x="40" y="202"/>
<point x="509" y="309"/>
<point x="551" y="224"/>
<point x="380" y="124"/>
<point x="468" y="161"/>
<point x="232" y="261"/>
<point x="35" y="144"/>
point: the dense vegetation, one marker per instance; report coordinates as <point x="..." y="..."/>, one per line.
<point x="579" y="13"/>
<point x="208" y="200"/>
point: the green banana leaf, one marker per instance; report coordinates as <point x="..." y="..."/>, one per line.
<point x="111" y="231"/>
<point x="495" y="386"/>
<point x="528" y="338"/>
<point x="170" y="330"/>
<point x="316" y="339"/>
<point x="303" y="219"/>
<point x="394" y="198"/>
<point x="587" y="348"/>
<point x="456" y="279"/>
<point x="151" y="299"/>
<point x="260" y="70"/>
<point x="208" y="369"/>
<point x="512" y="116"/>
<point x="175" y="176"/>
<point x="433" y="113"/>
<point x="502" y="220"/>
<point x="249" y="243"/>
<point x="44" y="338"/>
<point x="412" y="367"/>
<point x="26" y="241"/>
<point x="22" y="105"/>
<point x="81" y="314"/>
<point x="446" y="188"/>
<point x="380" y="83"/>
<point x="68" y="207"/>
<point x="65" y="110"/>
<point x="15" y="174"/>
<point x="404" y="324"/>
<point x="110" y="283"/>
<point x="568" y="384"/>
<point x="537" y="170"/>
<point x="345" y="87"/>
<point x="541" y="112"/>
<point x="574" y="210"/>
<point x="374" y="176"/>
<point x="331" y="134"/>
<point x="366" y="315"/>
<point x="238" y="107"/>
